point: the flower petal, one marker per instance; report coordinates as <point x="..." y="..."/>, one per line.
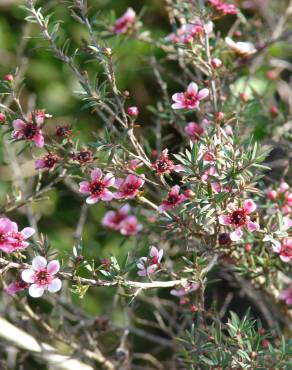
<point x="109" y="179"/>
<point x="92" y="199"/>
<point x="236" y="235"/>
<point x="253" y="226"/>
<point x="96" y="174"/>
<point x="249" y="206"/>
<point x="224" y="220"/>
<point x="36" y="290"/>
<point x="39" y="263"/>
<point x="27" y="232"/>
<point x="192" y="88"/>
<point x="84" y="187"/>
<point x="55" y="286"/>
<point x="28" y="275"/>
<point x="53" y="267"/>
<point x="203" y="94"/>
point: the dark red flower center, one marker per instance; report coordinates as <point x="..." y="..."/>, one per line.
<point x="43" y="277"/>
<point x="172" y="199"/>
<point x="190" y="98"/>
<point x="238" y="217"/>
<point x="96" y="187"/>
<point x="83" y="156"/>
<point x="51" y="160"/>
<point x="29" y="130"/>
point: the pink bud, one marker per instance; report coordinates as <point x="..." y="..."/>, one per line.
<point x="219" y="116"/>
<point x="248" y="248"/>
<point x="272" y="195"/>
<point x="244" y="97"/>
<point x="274" y="111"/>
<point x="189" y="193"/>
<point x="133" y="111"/>
<point x="272" y="74"/>
<point x="216" y="63"/>
<point x="2" y="117"/>
<point x="8" y="78"/>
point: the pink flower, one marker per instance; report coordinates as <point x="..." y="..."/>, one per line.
<point x="113" y="219"/>
<point x="128" y="187"/>
<point x="130" y="226"/>
<point x="48" y="161"/>
<point x="125" y="21"/>
<point x="148" y="265"/>
<point x="187" y="32"/>
<point x="188" y="288"/>
<point x="28" y="131"/>
<point x="282" y="195"/>
<point x="174" y="198"/>
<point x="189" y="99"/>
<point x="223" y="8"/>
<point x="16" y="286"/>
<point x="164" y="165"/>
<point x="286" y="295"/>
<point x="244" y="49"/>
<point x="98" y="187"/>
<point x="239" y="218"/>
<point x="284" y="249"/>
<point x="38" y="116"/>
<point x="194" y="130"/>
<point x="42" y="276"/>
<point x="11" y="239"/>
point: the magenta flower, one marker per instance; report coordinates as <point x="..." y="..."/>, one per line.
<point x="164" y="165"/>
<point x="194" y="130"/>
<point x="11" y="239"/>
<point x="223" y="8"/>
<point x="128" y="187"/>
<point x="28" y="131"/>
<point x="286" y="295"/>
<point x="42" y="276"/>
<point x="189" y="99"/>
<point x="130" y="226"/>
<point x="186" y="289"/>
<point x="174" y="198"/>
<point x="148" y="265"/>
<point x="48" y="161"/>
<point x="284" y="249"/>
<point x="125" y="21"/>
<point x="239" y="218"/>
<point x="98" y="187"/>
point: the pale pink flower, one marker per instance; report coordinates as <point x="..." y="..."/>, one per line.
<point x="98" y="186"/>
<point x="148" y="265"/>
<point x="129" y="187"/>
<point x="194" y="130"/>
<point x="125" y="21"/>
<point x="239" y="218"/>
<point x="189" y="99"/>
<point x="286" y="295"/>
<point x="287" y="223"/>
<point x="113" y="219"/>
<point x="11" y="239"/>
<point x="42" y="276"/>
<point x="223" y="8"/>
<point x="164" y="165"/>
<point x="284" y="249"/>
<point x="130" y="226"/>
<point x="28" y="131"/>
<point x="216" y="63"/>
<point x="186" y="289"/>
<point x="244" y="49"/>
<point x="133" y="111"/>
<point x="173" y="199"/>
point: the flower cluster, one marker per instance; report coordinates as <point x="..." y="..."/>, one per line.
<point x="12" y="240"/>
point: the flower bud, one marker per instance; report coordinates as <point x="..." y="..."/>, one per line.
<point x="8" y="78"/>
<point x="219" y="116"/>
<point x="2" y="117"/>
<point x="189" y="193"/>
<point x="133" y="111"/>
<point x="248" y="247"/>
<point x="272" y="195"/>
<point x="224" y="238"/>
<point x="272" y="74"/>
<point x="216" y="63"/>
<point x="274" y="111"/>
<point x="244" y="97"/>
<point x="193" y="308"/>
